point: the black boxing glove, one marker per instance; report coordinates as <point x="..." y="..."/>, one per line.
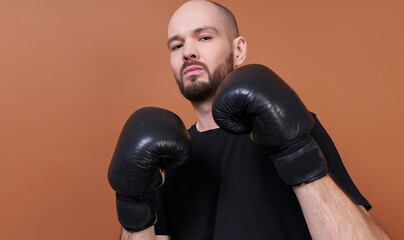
<point x="254" y="99"/>
<point x="153" y="139"/>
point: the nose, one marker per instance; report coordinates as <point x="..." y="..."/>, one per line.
<point x="190" y="52"/>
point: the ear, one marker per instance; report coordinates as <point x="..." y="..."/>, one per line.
<point x="239" y="51"/>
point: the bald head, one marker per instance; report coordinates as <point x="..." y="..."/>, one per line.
<point x="228" y="19"/>
<point x="221" y="13"/>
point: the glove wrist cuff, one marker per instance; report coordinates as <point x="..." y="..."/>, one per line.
<point x="302" y="162"/>
<point x="136" y="214"/>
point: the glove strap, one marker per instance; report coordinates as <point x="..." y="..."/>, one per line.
<point x="301" y="162"/>
<point x="136" y="214"/>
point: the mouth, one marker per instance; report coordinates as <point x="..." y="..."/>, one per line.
<point x="192" y="70"/>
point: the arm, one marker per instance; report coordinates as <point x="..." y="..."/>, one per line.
<point x="329" y="212"/>
<point x="147" y="234"/>
<point x="159" y="237"/>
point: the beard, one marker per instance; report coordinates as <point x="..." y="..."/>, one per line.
<point x="202" y="91"/>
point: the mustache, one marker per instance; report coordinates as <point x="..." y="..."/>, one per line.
<point x="190" y="63"/>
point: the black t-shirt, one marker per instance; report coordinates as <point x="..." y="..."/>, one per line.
<point x="229" y="189"/>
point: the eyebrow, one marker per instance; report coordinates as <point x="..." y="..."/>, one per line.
<point x="195" y="31"/>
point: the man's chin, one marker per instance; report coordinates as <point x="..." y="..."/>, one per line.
<point x="194" y="79"/>
<point x="197" y="99"/>
<point x="199" y="92"/>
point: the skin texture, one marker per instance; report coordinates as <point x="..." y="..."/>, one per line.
<point x="331" y="214"/>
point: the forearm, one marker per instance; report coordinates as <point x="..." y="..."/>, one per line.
<point x="331" y="214"/>
<point x="147" y="234"/>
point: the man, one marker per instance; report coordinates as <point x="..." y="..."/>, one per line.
<point x="228" y="189"/>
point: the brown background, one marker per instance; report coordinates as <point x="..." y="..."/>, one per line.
<point x="72" y="72"/>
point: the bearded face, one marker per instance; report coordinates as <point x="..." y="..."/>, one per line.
<point x="198" y="91"/>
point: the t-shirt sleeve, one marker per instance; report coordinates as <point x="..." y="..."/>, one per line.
<point x="335" y="166"/>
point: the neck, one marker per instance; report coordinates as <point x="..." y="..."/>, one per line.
<point x="203" y="111"/>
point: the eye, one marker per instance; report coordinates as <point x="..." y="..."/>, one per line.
<point x="205" y="38"/>
<point x="175" y="47"/>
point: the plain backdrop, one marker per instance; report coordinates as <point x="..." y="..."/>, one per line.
<point x="72" y="71"/>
